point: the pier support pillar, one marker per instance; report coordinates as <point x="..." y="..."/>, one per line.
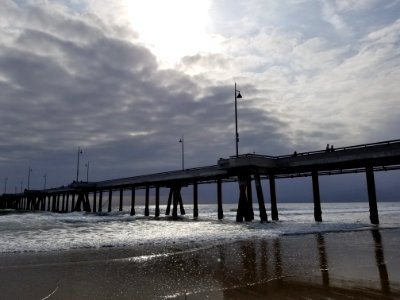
<point x="86" y="202"/>
<point x="58" y="203"/>
<point x="181" y="208"/>
<point x="63" y="203"/>
<point x="67" y="203"/>
<point x="53" y="203"/>
<point x="260" y="197"/>
<point x="146" y="208"/>
<point x="73" y="203"/>
<point x="272" y="190"/>
<point x="244" y="208"/>
<point x="100" y="201"/>
<point x="176" y="193"/>
<point x="176" y="198"/>
<point x="109" y="200"/>
<point x="83" y="200"/>
<point x="121" y="199"/>
<point x="157" y="211"/>
<point x="250" y="199"/>
<point x="78" y="202"/>
<point x="133" y="198"/>
<point x="219" y="196"/>
<point x="317" y="199"/>
<point x="43" y="203"/>
<point x="94" y="201"/>
<point x="167" y="211"/>
<point x="373" y="207"/>
<point x="48" y="202"/>
<point x="195" y="200"/>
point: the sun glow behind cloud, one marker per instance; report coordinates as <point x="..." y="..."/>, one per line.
<point x="172" y="29"/>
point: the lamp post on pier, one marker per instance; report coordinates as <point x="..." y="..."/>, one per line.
<point x="29" y="176"/>
<point x="182" y="141"/>
<point x="87" y="171"/>
<point x="5" y="185"/>
<point x="237" y="96"/>
<point x="77" y="167"/>
<point x="45" y="181"/>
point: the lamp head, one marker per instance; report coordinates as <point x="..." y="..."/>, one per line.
<point x="239" y="96"/>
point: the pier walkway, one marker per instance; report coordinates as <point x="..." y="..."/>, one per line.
<point x="243" y="169"/>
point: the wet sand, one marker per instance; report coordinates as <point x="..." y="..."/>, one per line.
<point x="348" y="265"/>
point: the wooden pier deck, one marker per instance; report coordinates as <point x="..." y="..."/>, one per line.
<point x="244" y="169"/>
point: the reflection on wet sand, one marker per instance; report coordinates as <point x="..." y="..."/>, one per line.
<point x="323" y="261"/>
<point x="289" y="267"/>
<point x="272" y="268"/>
<point x="380" y="261"/>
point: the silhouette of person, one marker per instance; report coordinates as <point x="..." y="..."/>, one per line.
<point x="327" y="148"/>
<point x="332" y="150"/>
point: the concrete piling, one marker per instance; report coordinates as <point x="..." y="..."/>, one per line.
<point x="195" y="200"/>
<point x="219" y="196"/>
<point x="260" y="197"/>
<point x="94" y="201"/>
<point x="147" y="197"/>
<point x="133" y="196"/>
<point x="373" y="207"/>
<point x="272" y="191"/>
<point x="110" y="192"/>
<point x="317" y="199"/>
<point x="100" y="201"/>
<point x="157" y="200"/>
<point x="121" y="199"/>
<point x="170" y="195"/>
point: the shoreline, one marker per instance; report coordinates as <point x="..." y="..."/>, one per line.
<point x="364" y="263"/>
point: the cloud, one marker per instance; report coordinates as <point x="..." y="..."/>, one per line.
<point x="66" y="82"/>
<point x="354" y="5"/>
<point x="332" y="16"/>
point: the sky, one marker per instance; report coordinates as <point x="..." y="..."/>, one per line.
<point x="124" y="80"/>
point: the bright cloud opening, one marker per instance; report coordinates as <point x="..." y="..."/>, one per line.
<point x="172" y="29"/>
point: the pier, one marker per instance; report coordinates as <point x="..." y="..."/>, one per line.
<point x="246" y="170"/>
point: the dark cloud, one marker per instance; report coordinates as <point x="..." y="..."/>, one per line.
<point x="66" y="83"/>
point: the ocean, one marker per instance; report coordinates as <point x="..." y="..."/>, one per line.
<point x="47" y="231"/>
